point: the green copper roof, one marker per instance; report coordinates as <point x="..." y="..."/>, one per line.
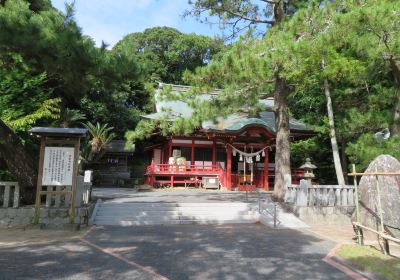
<point x="171" y="110"/>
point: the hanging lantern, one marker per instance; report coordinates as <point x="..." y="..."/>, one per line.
<point x="241" y="158"/>
<point x="263" y="153"/>
<point x="234" y="152"/>
<point x="258" y="157"/>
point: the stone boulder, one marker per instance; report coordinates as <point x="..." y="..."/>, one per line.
<point x="390" y="195"/>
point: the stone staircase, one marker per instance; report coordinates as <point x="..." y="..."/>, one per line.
<point x="149" y="213"/>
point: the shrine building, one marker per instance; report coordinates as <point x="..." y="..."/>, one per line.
<point x="235" y="153"/>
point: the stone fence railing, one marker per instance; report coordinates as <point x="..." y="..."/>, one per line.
<point x="319" y="195"/>
<point x="59" y="200"/>
<point x="9" y="194"/>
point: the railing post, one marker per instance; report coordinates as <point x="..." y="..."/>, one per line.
<point x="6" y="195"/>
<point x="338" y="201"/>
<point x="67" y="198"/>
<point x="344" y="196"/>
<point x="16" y="196"/>
<point x="301" y="199"/>
<point x="350" y="197"/>
<point x="48" y="196"/>
<point x="331" y="197"/>
<point x="58" y="196"/>
<point x="312" y="196"/>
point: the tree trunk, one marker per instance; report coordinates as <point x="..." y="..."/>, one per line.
<point x="396" y="117"/>
<point x="345" y="163"/>
<point x="395" y="129"/>
<point x="332" y="134"/>
<point x="283" y="176"/>
<point x="19" y="162"/>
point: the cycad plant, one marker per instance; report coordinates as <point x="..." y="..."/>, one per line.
<point x="101" y="136"/>
<point x="69" y="117"/>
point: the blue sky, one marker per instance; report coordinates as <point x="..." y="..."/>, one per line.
<point x="111" y="20"/>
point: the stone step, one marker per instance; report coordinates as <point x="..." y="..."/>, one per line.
<point x="172" y="204"/>
<point x="172" y="217"/>
<point x="125" y="214"/>
<point x="179" y="217"/>
<point x="178" y="210"/>
<point x="173" y="222"/>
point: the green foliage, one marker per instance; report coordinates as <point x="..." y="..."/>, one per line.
<point x="143" y="130"/>
<point x="367" y="148"/>
<point x="164" y="53"/>
<point x="101" y="136"/>
<point x="48" y="110"/>
<point x="70" y="117"/>
<point x="236" y="16"/>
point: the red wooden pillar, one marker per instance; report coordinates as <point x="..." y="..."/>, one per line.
<point x="229" y="167"/>
<point x="214" y="154"/>
<point x="266" y="183"/>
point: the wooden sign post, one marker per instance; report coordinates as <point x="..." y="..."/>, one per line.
<point x="58" y="164"/>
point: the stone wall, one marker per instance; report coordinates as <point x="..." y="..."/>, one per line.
<point x="323" y="215"/>
<point x="49" y="217"/>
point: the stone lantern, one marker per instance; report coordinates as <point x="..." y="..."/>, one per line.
<point x="308" y="170"/>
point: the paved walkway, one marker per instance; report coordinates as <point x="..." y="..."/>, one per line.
<point x="174" y="252"/>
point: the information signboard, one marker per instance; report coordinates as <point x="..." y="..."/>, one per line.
<point x="58" y="166"/>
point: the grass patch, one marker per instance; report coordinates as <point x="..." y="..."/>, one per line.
<point x="369" y="259"/>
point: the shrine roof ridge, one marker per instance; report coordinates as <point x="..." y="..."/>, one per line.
<point x="58" y="131"/>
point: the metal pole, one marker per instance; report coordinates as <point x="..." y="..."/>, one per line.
<point x="274" y="214"/>
<point x="359" y="232"/>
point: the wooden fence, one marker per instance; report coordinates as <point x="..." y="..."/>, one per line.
<point x="319" y="195"/>
<point x="9" y="194"/>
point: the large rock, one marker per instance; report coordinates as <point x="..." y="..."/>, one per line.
<point x="390" y="195"/>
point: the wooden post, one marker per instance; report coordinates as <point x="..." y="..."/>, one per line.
<point x="74" y="181"/>
<point x="229" y="167"/>
<point x="266" y="171"/>
<point x="39" y="181"/>
<point x="359" y="230"/>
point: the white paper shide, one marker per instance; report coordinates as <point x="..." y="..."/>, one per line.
<point x="58" y="166"/>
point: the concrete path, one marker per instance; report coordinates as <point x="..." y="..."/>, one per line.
<point x="175" y="252"/>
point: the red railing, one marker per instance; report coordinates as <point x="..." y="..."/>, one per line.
<point x="183" y="169"/>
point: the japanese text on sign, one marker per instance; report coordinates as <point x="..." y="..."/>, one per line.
<point x="58" y="166"/>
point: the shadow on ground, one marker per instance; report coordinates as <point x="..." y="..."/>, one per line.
<point x="248" y="251"/>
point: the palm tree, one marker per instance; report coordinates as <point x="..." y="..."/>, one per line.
<point x="101" y="137"/>
<point x="70" y="117"/>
